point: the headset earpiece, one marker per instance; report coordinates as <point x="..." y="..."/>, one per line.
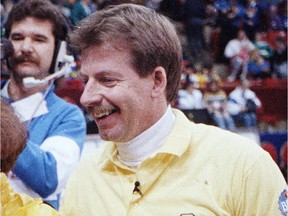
<point x="59" y="55"/>
<point x="61" y="47"/>
<point x="62" y="52"/>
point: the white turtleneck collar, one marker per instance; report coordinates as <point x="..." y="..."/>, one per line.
<point x="133" y="152"/>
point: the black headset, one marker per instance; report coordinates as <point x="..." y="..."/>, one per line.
<point x="61" y="48"/>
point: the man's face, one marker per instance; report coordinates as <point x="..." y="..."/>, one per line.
<point x="115" y="96"/>
<point x="34" y="45"/>
<point x="241" y="35"/>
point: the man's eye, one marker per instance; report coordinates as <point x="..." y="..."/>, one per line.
<point x="40" y="40"/>
<point x="16" y="38"/>
<point x="109" y="82"/>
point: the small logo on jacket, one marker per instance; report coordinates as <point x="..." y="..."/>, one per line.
<point x="283" y="203"/>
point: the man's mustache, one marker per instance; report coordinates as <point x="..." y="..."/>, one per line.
<point x="24" y="58"/>
<point x="98" y="108"/>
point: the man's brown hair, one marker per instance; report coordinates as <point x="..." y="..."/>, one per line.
<point x="42" y="10"/>
<point x="150" y="38"/>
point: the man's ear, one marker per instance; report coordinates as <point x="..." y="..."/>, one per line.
<point x="160" y="81"/>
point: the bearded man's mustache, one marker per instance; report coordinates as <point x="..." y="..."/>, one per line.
<point x="24" y="58"/>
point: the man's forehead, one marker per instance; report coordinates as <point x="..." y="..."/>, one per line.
<point x="33" y="25"/>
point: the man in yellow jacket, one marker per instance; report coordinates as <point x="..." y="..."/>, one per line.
<point x="156" y="162"/>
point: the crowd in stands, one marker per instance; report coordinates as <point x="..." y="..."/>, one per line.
<point x="216" y="101"/>
<point x="206" y="28"/>
<point x="248" y="37"/>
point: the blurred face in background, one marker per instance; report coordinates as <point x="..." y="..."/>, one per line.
<point x="241" y="35"/>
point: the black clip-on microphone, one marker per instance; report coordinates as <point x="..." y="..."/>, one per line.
<point x="137" y="190"/>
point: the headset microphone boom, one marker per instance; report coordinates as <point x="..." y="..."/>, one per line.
<point x="64" y="64"/>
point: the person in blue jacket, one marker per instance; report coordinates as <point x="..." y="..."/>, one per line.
<point x="258" y="67"/>
<point x="81" y="9"/>
<point x="57" y="129"/>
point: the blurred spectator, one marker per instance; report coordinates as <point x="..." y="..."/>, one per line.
<point x="279" y="58"/>
<point x="173" y="9"/>
<point x="190" y="97"/>
<point x="200" y="74"/>
<point x="242" y="105"/>
<point x="237" y="13"/>
<point x="3" y="18"/>
<point x="251" y="20"/>
<point x="68" y="7"/>
<point x="187" y="70"/>
<point x="230" y="15"/>
<point x="205" y="73"/>
<point x="194" y="15"/>
<point x="81" y="9"/>
<point x="227" y="32"/>
<point x="13" y="140"/>
<point x="211" y="15"/>
<point x="283" y="14"/>
<point x="216" y="102"/>
<point x="211" y="72"/>
<point x="5" y="8"/>
<point x="153" y="4"/>
<point x="263" y="47"/>
<point x="222" y="6"/>
<point x="237" y="50"/>
<point x="210" y="26"/>
<point x="8" y="4"/>
<point x="258" y="67"/>
<point x="274" y="21"/>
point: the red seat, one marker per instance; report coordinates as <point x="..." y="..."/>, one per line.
<point x="272" y="35"/>
<point x="269" y="119"/>
<point x="283" y="154"/>
<point x="271" y="149"/>
<point x="271" y="83"/>
<point x="214" y="38"/>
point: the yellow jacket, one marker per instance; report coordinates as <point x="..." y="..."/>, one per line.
<point x="13" y="204"/>
<point x="200" y="170"/>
